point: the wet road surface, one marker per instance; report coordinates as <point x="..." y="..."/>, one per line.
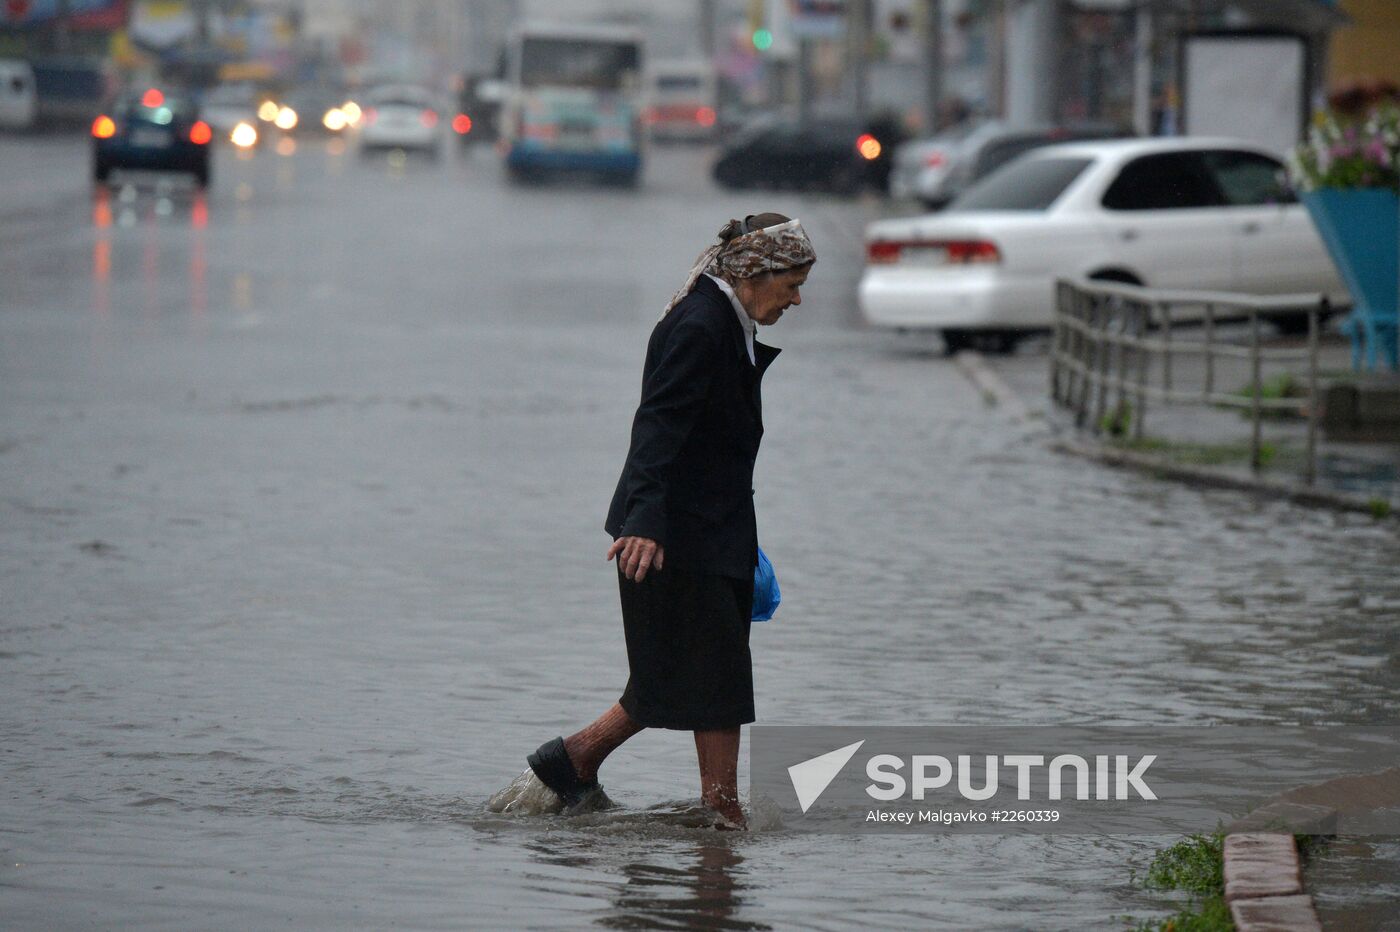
<point x="301" y="493"/>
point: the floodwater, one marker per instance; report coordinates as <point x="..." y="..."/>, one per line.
<point x="301" y="493"/>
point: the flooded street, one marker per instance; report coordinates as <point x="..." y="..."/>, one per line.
<point x="302" y="486"/>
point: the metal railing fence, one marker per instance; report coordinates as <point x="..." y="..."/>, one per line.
<point x="1106" y="335"/>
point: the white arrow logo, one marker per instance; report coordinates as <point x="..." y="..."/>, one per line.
<point x="811" y="777"/>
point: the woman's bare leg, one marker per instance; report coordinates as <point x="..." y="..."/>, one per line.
<point x="718" y="753"/>
<point x="588" y="748"/>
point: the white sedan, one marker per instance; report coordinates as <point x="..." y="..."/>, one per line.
<point x="401" y="116"/>
<point x="1195" y="214"/>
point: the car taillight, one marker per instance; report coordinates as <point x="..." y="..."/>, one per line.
<point x="200" y="133"/>
<point x="868" y="146"/>
<point x="972" y="252"/>
<point x="429" y="118"/>
<point x="462" y="124"/>
<point x="933" y="252"/>
<point x="152" y="99"/>
<point x="881" y="252"/>
<point x="104" y="127"/>
<point x="705" y="116"/>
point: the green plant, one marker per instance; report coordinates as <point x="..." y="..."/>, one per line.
<point x="1380" y="507"/>
<point x="1201" y="454"/>
<point x="1210" y="915"/>
<point x="1310" y="846"/>
<point x="1116" y="422"/>
<point x="1196" y="865"/>
<point x="1285" y="385"/>
<point x="1350" y="152"/>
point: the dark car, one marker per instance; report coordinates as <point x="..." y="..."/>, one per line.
<point x="152" y="131"/>
<point x="478" y="110"/>
<point x="318" y="110"/>
<point x="839" y="155"/>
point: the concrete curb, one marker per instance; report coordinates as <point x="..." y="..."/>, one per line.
<point x="1264" y="885"/>
<point x="1263" y="878"/>
<point x="1218" y="479"/>
<point x="993" y="388"/>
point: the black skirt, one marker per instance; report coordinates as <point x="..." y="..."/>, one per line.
<point x="688" y="650"/>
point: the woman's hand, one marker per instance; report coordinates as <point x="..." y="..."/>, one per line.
<point x="637" y="555"/>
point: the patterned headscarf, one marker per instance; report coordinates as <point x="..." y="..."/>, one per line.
<point x="771" y="249"/>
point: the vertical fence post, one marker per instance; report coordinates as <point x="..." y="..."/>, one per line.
<point x="1101" y="360"/>
<point x="1256" y="410"/>
<point x="1315" y="318"/>
<point x="1166" y="347"/>
<point x="1061" y="288"/>
<point x="1144" y="359"/>
<point x="1210" y="351"/>
<point x="1124" y="320"/>
<point x="1081" y="402"/>
<point x="1071" y="348"/>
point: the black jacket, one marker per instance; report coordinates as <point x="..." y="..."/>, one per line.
<point x="688" y="479"/>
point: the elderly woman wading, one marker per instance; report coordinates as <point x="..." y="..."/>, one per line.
<point x="682" y="517"/>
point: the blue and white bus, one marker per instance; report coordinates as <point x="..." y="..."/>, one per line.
<point x="574" y="102"/>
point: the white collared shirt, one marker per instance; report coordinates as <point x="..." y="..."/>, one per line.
<point x="750" y="327"/>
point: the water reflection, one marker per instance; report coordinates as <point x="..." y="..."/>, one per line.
<point x="199" y="258"/>
<point x="706" y="894"/>
<point x="666" y="886"/>
<point x="102" y="252"/>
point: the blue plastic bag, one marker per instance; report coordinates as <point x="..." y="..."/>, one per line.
<point x="766" y="594"/>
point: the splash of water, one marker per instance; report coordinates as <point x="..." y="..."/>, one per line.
<point x="527" y="795"/>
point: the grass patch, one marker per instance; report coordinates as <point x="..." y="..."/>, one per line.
<point x="1379" y="507"/>
<point x="1284" y="386"/>
<point x="1201" y="454"/>
<point x="1209" y="915"/>
<point x="1310" y="846"/>
<point x="1196" y="865"/>
<point x="1116" y="422"/>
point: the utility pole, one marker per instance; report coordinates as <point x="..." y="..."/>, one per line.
<point x="804" y="81"/>
<point x="933" y="65"/>
<point x="1142" y="72"/>
<point x="858" y="46"/>
<point x="996" y="61"/>
<point x="1032" y="49"/>
<point x="707" y="29"/>
<point x="62" y="28"/>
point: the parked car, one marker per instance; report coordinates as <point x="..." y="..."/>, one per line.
<point x="925" y="163"/>
<point x="400" y="116"/>
<point x="19" y="102"/>
<point x="1196" y="214"/>
<point x="154" y="131"/>
<point x="839" y="155"/>
<point x="934" y="171"/>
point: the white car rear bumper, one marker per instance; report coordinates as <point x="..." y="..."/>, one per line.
<point x="966" y="297"/>
<point x="412" y="137"/>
